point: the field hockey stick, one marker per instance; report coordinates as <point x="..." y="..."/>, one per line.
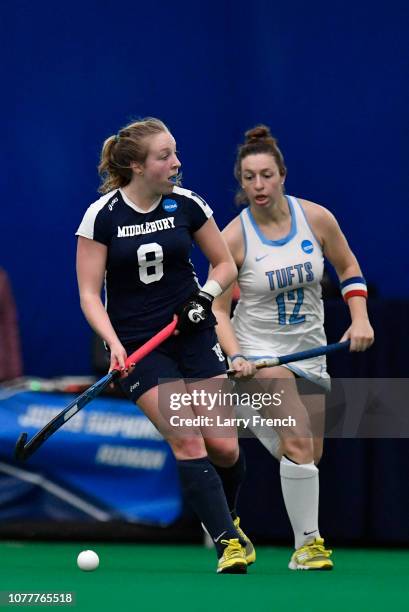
<point x="24" y="449"/>
<point x="315" y="352"/>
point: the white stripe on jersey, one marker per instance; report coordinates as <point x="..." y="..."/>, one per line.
<point x="86" y="228"/>
<point x="193" y="196"/>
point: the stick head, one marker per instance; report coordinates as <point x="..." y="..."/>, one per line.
<point x="19" y="453"/>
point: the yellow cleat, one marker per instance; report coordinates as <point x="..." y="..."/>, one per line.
<point x="233" y="560"/>
<point x="249" y="548"/>
<point x="313" y="556"/>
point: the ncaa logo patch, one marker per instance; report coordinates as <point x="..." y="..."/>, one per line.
<point x="307" y="246"/>
<point x="169" y="205"/>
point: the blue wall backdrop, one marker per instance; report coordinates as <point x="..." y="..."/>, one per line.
<point x="331" y="79"/>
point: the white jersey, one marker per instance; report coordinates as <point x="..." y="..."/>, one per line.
<point x="280" y="310"/>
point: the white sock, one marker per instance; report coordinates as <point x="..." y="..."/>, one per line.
<point x="300" y="487"/>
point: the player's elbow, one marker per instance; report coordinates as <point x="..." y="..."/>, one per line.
<point x="88" y="299"/>
<point x="230" y="271"/>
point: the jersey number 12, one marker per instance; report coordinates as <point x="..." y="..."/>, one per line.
<point x="295" y="316"/>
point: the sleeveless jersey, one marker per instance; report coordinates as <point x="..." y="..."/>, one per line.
<point x="280" y="310"/>
<point x="149" y="274"/>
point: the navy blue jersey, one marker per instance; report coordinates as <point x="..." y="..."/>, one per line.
<point x="149" y="274"/>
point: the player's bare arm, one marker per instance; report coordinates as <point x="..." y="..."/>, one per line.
<point x="223" y="271"/>
<point x="214" y="247"/>
<point x="338" y="252"/>
<point x="222" y="304"/>
<point x="91" y="263"/>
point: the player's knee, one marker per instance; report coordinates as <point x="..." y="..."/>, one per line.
<point x="299" y="450"/>
<point x="223" y="452"/>
<point x="318" y="450"/>
<point x="317" y="458"/>
<point x="188" y="448"/>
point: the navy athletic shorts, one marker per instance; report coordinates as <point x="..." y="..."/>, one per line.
<point x="195" y="355"/>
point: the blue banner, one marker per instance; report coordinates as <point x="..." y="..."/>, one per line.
<point x="107" y="463"/>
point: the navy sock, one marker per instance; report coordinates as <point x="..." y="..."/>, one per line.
<point x="203" y="489"/>
<point x="232" y="479"/>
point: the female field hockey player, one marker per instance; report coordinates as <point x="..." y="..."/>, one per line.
<point x="279" y="243"/>
<point x="137" y="237"/>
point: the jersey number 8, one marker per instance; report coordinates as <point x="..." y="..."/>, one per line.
<point x="150" y="260"/>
